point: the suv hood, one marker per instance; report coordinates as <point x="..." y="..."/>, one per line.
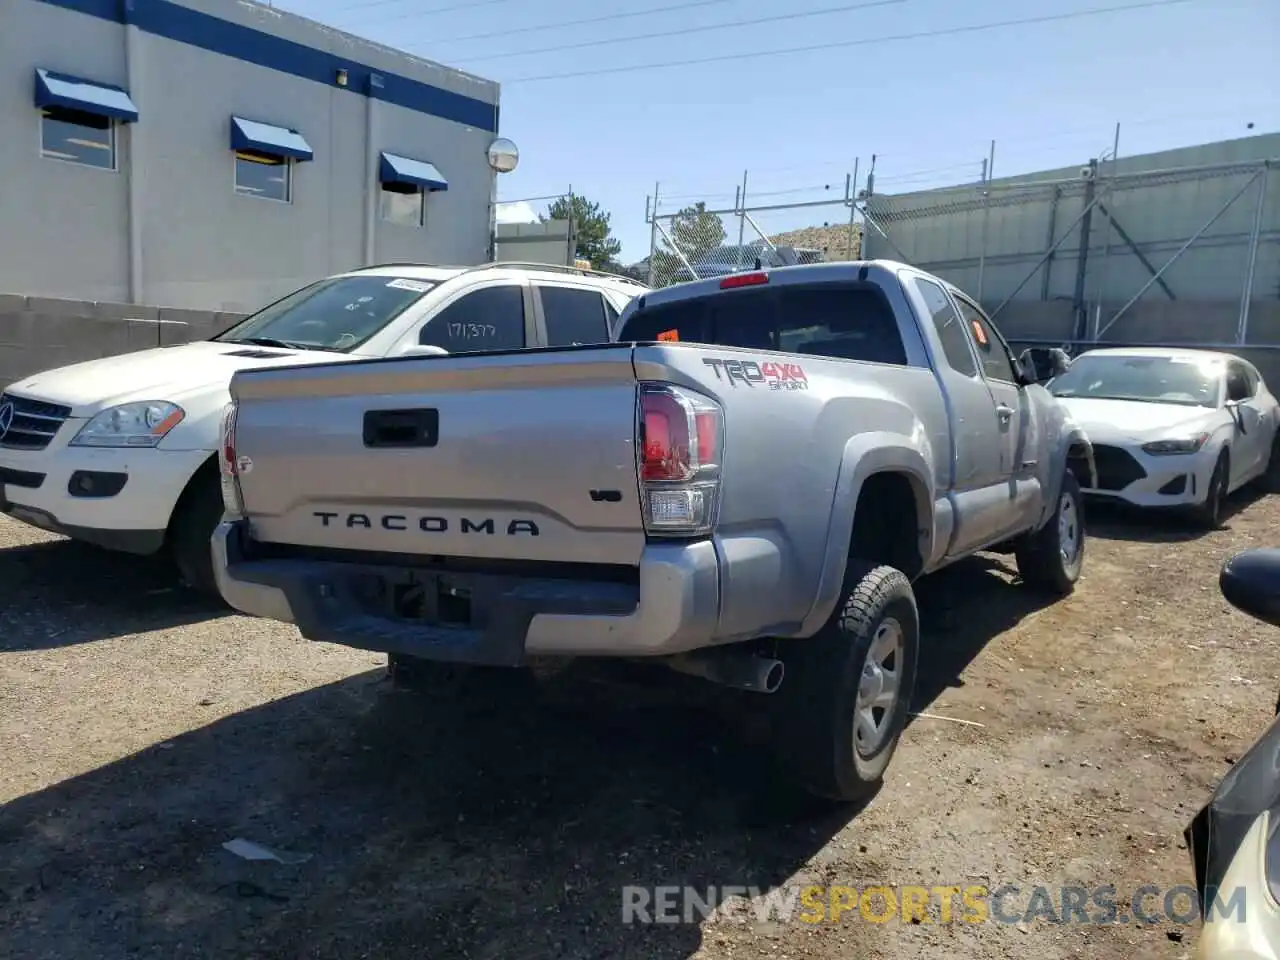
<point x="163" y="373"/>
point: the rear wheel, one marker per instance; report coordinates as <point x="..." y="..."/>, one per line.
<point x="1051" y="558"/>
<point x="843" y="705"/>
<point x="191" y="532"/>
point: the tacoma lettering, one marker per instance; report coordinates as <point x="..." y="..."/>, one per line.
<point x="399" y="523"/>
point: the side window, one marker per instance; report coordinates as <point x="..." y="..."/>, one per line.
<point x="573" y="315"/>
<point x="996" y="362"/>
<point x="610" y="315"/>
<point x="1255" y="380"/>
<point x="955" y="342"/>
<point x="1238" y="386"/>
<point x="491" y="318"/>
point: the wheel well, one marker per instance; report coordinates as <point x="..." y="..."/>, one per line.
<point x="886" y="523"/>
<point x="1080" y="463"/>
<point x="207" y="469"/>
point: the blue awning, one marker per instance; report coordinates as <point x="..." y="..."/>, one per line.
<point x="264" y="138"/>
<point x="72" y="93"/>
<point x="418" y="173"/>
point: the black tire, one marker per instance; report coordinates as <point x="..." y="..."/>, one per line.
<point x="191" y="531"/>
<point x="1269" y="482"/>
<point x="814" y="739"/>
<point x="1208" y="514"/>
<point x="1051" y="558"/>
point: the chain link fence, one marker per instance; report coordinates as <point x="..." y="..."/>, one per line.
<point x="696" y="240"/>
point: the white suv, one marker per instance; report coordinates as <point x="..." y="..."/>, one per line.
<point x="121" y="452"/>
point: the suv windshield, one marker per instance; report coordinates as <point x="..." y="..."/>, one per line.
<point x="849" y="321"/>
<point x="1148" y="379"/>
<point x="339" y="313"/>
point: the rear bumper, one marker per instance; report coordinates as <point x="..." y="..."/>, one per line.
<point x="672" y="607"/>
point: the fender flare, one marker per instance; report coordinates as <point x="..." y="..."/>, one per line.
<point x="1071" y="436"/>
<point x="865" y="455"/>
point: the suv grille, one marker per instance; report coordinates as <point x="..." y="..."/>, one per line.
<point x="34" y="422"/>
<point x="1117" y="467"/>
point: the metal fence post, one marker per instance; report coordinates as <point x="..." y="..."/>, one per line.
<point x="742" y="216"/>
<point x="1079" y="309"/>
<point x="653" y="235"/>
<point x="853" y="211"/>
<point x="1242" y="330"/>
<point x="987" y="166"/>
<point x="1104" y="278"/>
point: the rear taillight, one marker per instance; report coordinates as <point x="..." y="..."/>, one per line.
<point x="679" y="449"/>
<point x="228" y="463"/>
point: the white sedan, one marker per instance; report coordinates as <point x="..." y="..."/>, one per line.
<point x="1172" y="427"/>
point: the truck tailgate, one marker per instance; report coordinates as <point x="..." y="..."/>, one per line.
<point x="521" y="455"/>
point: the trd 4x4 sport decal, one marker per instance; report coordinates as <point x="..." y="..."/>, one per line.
<point x="778" y="376"/>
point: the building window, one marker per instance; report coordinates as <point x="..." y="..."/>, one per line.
<point x="78" y="137"/>
<point x="264" y="175"/>
<point x="403" y="204"/>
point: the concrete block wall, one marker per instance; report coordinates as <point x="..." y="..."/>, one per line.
<point x="40" y="333"/>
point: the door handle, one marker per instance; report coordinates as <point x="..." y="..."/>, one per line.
<point x="402" y="428"/>
<point x="1005" y="413"/>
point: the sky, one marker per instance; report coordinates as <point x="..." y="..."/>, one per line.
<point x="1049" y="94"/>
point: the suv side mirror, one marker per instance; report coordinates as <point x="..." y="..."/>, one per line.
<point x="423" y="350"/>
<point x="1042" y="364"/>
<point x="1250" y="582"/>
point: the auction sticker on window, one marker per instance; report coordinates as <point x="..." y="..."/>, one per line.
<point x="404" y="283"/>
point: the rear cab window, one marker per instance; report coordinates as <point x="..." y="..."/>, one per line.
<point x="837" y="320"/>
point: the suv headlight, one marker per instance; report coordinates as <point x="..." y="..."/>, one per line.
<point x="1184" y="445"/>
<point x="142" y="424"/>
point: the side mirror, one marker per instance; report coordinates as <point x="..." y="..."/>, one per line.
<point x="1042" y="364"/>
<point x="424" y="350"/>
<point x="1250" y="582"/>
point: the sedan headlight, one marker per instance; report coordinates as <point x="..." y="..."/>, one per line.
<point x="1159" y="448"/>
<point x="142" y="424"/>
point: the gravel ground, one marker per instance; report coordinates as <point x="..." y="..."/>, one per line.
<point x="140" y="730"/>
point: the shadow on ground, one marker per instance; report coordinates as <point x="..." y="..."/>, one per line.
<point x="502" y="831"/>
<point x="491" y="829"/>
<point x="963" y="608"/>
<point x="1112" y="520"/>
<point x="59" y="593"/>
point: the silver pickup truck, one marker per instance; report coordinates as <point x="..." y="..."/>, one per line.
<point x="742" y="486"/>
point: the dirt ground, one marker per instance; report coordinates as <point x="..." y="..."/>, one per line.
<point x="140" y="730"/>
